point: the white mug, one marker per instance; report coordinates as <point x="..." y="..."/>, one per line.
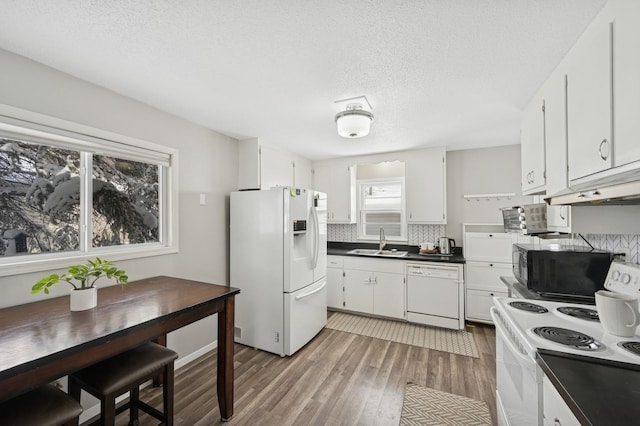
<point x="618" y="313"/>
<point x="427" y="246"/>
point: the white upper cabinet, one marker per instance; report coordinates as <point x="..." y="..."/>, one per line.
<point x="559" y="218"/>
<point x="425" y="186"/>
<point x="532" y="147"/>
<point x="626" y="78"/>
<point x="589" y="111"/>
<point x="339" y="183"/>
<point x="277" y="168"/>
<point x="249" y="164"/>
<point x="262" y="166"/>
<point x="555" y="132"/>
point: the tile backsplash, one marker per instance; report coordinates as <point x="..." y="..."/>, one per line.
<point x="417" y="233"/>
<point x="614" y="243"/>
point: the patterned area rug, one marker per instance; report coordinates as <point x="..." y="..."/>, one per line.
<point x="441" y="339"/>
<point x="426" y="406"/>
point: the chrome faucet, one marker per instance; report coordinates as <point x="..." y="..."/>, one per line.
<point x="383" y="240"/>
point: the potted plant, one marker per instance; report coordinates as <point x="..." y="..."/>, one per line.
<point x="83" y="279"/>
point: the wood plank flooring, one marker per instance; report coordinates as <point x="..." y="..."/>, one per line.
<point x="337" y="379"/>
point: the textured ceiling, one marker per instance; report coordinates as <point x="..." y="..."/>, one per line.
<point x="454" y="73"/>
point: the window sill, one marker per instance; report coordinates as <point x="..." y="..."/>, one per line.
<point x="16" y="265"/>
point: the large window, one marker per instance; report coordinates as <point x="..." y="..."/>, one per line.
<point x="381" y="206"/>
<point x="66" y="194"/>
<point x="39" y="198"/>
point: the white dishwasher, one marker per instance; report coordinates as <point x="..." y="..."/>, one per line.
<point x="434" y="295"/>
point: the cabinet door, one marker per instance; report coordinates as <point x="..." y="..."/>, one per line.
<point x="338" y="182"/>
<point x="425" y="187"/>
<point x="358" y="291"/>
<point x="389" y="295"/>
<point x="488" y="246"/>
<point x="589" y="103"/>
<point x="486" y="275"/>
<point x="558" y="218"/>
<point x="555" y="410"/>
<point x="335" y="293"/>
<point x="532" y="148"/>
<point x="555" y="133"/>
<point x="249" y="164"/>
<point x="479" y="303"/>
<point x="626" y="75"/>
<point x="276" y="168"/>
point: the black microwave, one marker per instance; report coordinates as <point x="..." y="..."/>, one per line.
<point x="570" y="272"/>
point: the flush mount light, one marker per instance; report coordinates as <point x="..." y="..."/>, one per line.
<point x="354" y="121"/>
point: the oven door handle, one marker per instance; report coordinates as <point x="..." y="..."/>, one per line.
<point x="507" y="339"/>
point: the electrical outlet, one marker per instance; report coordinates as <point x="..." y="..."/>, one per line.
<point x="626" y="252"/>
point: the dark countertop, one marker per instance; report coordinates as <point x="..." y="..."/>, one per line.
<point x="341" y="249"/>
<point x="598" y="392"/>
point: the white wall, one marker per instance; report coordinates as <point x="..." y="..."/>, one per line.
<point x="207" y="165"/>
<point x="481" y="171"/>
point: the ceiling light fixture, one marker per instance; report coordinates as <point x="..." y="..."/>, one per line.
<point x="354" y="122"/>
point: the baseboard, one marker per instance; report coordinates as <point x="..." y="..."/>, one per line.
<point x="180" y="362"/>
<point x="94" y="410"/>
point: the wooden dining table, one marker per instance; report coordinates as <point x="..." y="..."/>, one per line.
<point x="44" y="340"/>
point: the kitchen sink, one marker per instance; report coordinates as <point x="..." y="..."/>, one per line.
<point x="378" y="253"/>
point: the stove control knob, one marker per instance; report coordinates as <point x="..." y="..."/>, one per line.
<point x="625" y="278"/>
<point x="615" y="275"/>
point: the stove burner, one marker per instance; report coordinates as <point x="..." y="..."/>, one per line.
<point x="529" y="307"/>
<point x="582" y="313"/>
<point x="571" y="338"/>
<point x="633" y="347"/>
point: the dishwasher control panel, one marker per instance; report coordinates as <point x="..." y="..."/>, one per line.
<point x="446" y="272"/>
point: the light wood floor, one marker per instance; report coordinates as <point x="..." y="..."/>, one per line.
<point x="337" y="379"/>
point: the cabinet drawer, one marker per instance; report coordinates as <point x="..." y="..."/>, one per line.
<point x="488" y="246"/>
<point x="486" y="275"/>
<point x="335" y="262"/>
<point x="479" y="302"/>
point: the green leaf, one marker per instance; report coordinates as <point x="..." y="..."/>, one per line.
<point x="82" y="276"/>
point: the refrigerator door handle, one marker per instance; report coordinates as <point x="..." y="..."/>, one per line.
<point x="316" y="235"/>
<point x="302" y="296"/>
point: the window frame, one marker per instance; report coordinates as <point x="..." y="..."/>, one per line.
<point x="42" y="129"/>
<point x="403" y="238"/>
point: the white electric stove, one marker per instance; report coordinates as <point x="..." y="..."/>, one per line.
<point x="523" y="326"/>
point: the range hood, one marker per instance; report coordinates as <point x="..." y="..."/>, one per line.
<point x="621" y="194"/>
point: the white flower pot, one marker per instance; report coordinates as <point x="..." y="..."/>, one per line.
<point x="83" y="299"/>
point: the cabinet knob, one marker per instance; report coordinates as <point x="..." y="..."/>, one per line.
<point x="556" y="422"/>
<point x="491" y="294"/>
<point x="490" y="235"/>
<point x="491" y="264"/>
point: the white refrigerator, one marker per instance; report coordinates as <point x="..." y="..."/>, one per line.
<point x="278" y="240"/>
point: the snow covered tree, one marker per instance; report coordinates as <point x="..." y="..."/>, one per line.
<point x="40" y="196"/>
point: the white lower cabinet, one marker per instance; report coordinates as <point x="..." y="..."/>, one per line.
<point x="335" y="282"/>
<point x="488" y="257"/>
<point x="479" y="302"/>
<point x="483" y="284"/>
<point x="374" y="286"/>
<point x="555" y="410"/>
<point x="358" y="290"/>
<point x="388" y="295"/>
